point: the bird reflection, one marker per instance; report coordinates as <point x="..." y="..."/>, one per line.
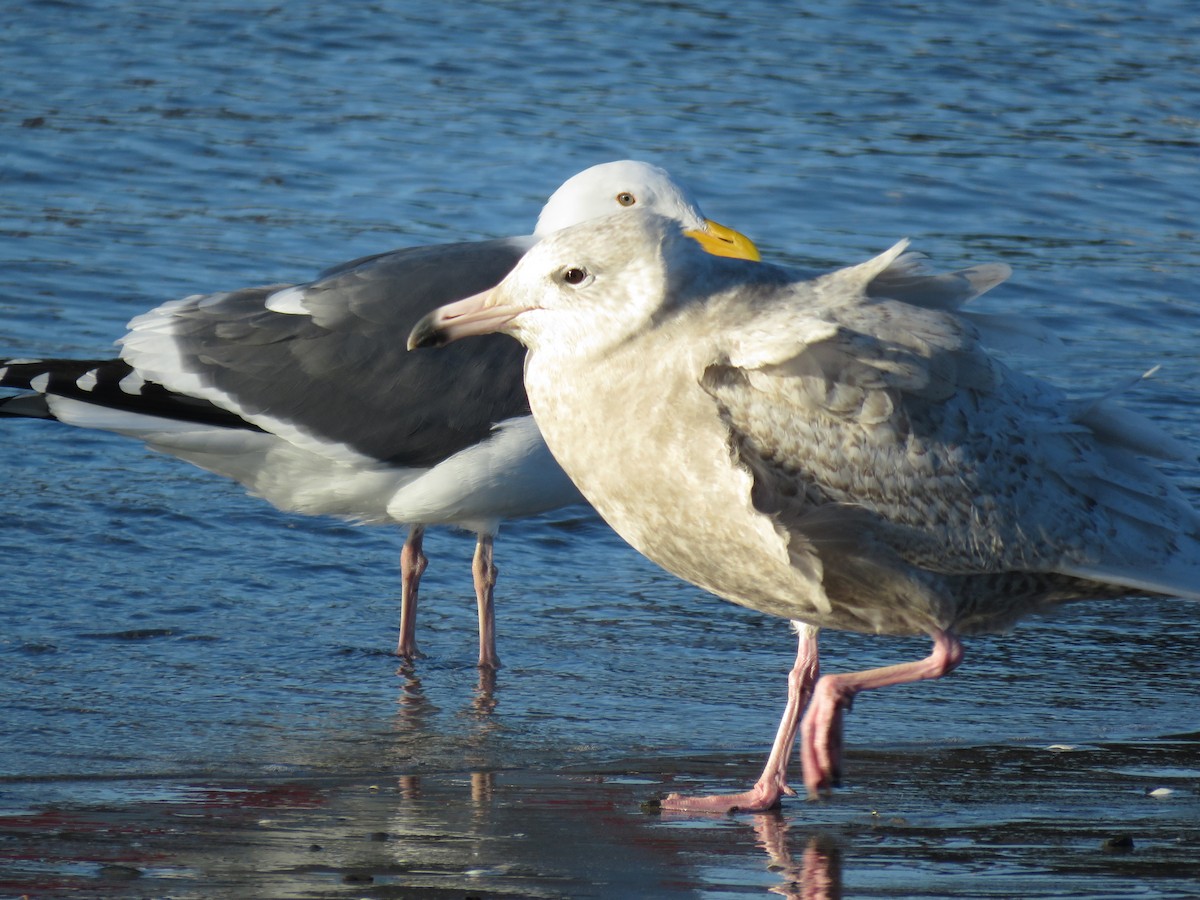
<point x="409" y="787"/>
<point x="414" y="706"/>
<point x="818" y="875"/>
<point x="483" y="787"/>
<point x="484" y="703"/>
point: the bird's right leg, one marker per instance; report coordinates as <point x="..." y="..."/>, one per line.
<point x="483" y="567"/>
<point x="821" y="730"/>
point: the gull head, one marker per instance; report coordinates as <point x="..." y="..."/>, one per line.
<point x="583" y="287"/>
<point x="631" y="185"/>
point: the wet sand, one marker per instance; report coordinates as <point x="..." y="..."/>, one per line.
<point x="1104" y="820"/>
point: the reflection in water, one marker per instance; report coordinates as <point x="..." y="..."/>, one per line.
<point x="818" y="876"/>
<point x="421" y="738"/>
<point x="509" y="833"/>
<point x="414" y="706"/>
<point x="483" y="788"/>
<point x="485" y="692"/>
<point x="409" y="787"/>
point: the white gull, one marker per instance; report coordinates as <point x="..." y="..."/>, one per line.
<point x="839" y="451"/>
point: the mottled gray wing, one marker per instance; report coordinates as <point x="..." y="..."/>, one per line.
<point x="341" y="373"/>
<point x="955" y="462"/>
<point x="896" y="415"/>
<point x="882" y="435"/>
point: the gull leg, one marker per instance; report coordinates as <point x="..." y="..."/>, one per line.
<point x="772" y="784"/>
<point x="484" y="569"/>
<point x="412" y="566"/>
<point x="821" y="730"/>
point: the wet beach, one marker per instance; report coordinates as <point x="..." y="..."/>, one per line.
<point x="1105" y="820"/>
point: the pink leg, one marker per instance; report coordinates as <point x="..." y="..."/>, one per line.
<point x="484" y="569"/>
<point x="772" y="784"/>
<point x="821" y="730"/>
<point x="412" y="566"/>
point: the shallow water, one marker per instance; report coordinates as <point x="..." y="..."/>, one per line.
<point x="1068" y="823"/>
<point x="177" y="657"/>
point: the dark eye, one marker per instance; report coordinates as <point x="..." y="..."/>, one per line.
<point x="626" y="199"/>
<point x="574" y="275"/>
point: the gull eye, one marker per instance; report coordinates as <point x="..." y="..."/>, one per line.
<point x="626" y="199"/>
<point x="574" y="275"/>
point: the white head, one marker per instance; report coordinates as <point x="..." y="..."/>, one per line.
<point x="585" y="287"/>
<point x="611" y="187"/>
<point x="627" y="185"/>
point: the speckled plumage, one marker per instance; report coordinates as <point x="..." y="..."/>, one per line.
<point x="841" y="451"/>
<point x="817" y="450"/>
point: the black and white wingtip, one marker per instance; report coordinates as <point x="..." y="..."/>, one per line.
<point x="106" y="383"/>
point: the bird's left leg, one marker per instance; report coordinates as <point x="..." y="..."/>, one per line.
<point x="772" y="785"/>
<point x="821" y="730"/>
<point x="484" y="569"/>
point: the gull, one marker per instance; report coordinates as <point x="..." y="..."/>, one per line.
<point x="305" y="395"/>
<point x="840" y="451"/>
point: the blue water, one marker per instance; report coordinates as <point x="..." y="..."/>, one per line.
<point x="158" y="621"/>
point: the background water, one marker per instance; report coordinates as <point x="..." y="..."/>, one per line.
<point x="161" y="630"/>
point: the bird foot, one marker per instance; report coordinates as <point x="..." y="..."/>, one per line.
<point x="761" y="797"/>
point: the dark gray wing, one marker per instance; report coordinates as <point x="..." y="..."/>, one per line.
<point x="341" y="373"/>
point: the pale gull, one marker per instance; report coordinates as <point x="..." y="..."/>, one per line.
<point x="840" y="451"/>
<point x="305" y="394"/>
